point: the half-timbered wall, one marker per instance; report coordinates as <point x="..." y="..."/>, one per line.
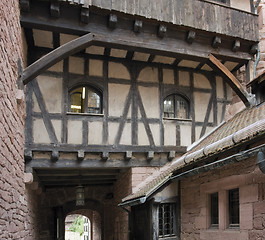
<point x="132" y="100"/>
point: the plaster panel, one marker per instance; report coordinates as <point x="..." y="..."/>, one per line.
<point x="117" y="99"/>
<point x="40" y="134"/>
<point x="43" y="38"/>
<point x="58" y="67"/>
<point x="169" y="133"/>
<point x="76" y="65"/>
<point x="95" y="68"/>
<point x="119" y="53"/>
<point x="185" y="135"/>
<point x="118" y="70"/>
<point x="96" y="50"/>
<point x="242" y="5"/>
<point x="163" y="59"/>
<point x="206" y="67"/>
<point x="155" y="129"/>
<point x="142" y="135"/>
<point x="57" y="125"/>
<point x="75" y="130"/>
<point x="65" y="38"/>
<point x="113" y="130"/>
<point x="126" y="135"/>
<point x="188" y="63"/>
<point x="197" y="133"/>
<point x="138" y="56"/>
<point x="184" y="78"/>
<point x="36" y="107"/>
<point x="229" y="92"/>
<point x="230" y="65"/>
<point x="169" y="191"/>
<point x="150" y="98"/>
<point x="168" y="76"/>
<point x="95" y="132"/>
<point x="219" y="87"/>
<point x="219" y="112"/>
<point x="201" y="101"/>
<point x="148" y="74"/>
<point x="200" y="81"/>
<point x="51" y="89"/>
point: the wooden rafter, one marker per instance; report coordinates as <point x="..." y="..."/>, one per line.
<point x="230" y="79"/>
<point x="152" y="46"/>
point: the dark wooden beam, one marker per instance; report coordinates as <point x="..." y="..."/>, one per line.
<point x="80" y="155"/>
<point x="254" y="49"/>
<point x="230" y="79"/>
<point x="162" y="29"/>
<point x="236" y="46"/>
<point x="216" y="42"/>
<point x="138" y="25"/>
<point x="84" y="15"/>
<point x="55" y="9"/>
<point x="113" y="19"/>
<point x="24" y="5"/>
<point x="191" y="36"/>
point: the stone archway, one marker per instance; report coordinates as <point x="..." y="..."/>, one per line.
<point x="93" y="210"/>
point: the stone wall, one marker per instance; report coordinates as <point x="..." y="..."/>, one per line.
<point x="196" y="207"/>
<point x="17" y="204"/>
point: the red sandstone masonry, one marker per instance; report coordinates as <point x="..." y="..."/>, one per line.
<point x="16" y="202"/>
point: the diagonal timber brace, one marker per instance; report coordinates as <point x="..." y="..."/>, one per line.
<point x="232" y="81"/>
<point x="89" y="39"/>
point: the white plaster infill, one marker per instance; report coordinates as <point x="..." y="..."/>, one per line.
<point x="158" y="179"/>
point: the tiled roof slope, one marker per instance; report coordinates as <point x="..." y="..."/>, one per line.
<point x="243" y="126"/>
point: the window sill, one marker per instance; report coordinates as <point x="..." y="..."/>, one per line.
<point x="178" y="119"/>
<point x="86" y="114"/>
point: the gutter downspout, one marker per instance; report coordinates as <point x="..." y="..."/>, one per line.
<point x="258" y="50"/>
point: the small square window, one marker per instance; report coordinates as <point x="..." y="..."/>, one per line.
<point x="233" y="201"/>
<point x="214" y="210"/>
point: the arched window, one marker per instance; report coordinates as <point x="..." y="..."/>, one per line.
<point x="176" y="106"/>
<point x="85" y="99"/>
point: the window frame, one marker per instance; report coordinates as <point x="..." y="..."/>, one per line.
<point x="176" y="97"/>
<point x="87" y="87"/>
<point x="215" y="210"/>
<point x="233" y="208"/>
<point x="172" y="217"/>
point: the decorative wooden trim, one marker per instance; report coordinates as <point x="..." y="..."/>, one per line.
<point x="236" y="46"/>
<point x="254" y="49"/>
<point x="56" y="39"/>
<point x="80" y="155"/>
<point x="113" y="19"/>
<point x="216" y="42"/>
<point x="55" y="156"/>
<point x="230" y="79"/>
<point x="128" y="155"/>
<point x="124" y="116"/>
<point x="64" y="131"/>
<point x="191" y="36"/>
<point x="105" y="156"/>
<point x="84" y="15"/>
<point x="98" y="149"/>
<point x="45" y="114"/>
<point x="55" y="9"/>
<point x="150" y="155"/>
<point x="138" y="25"/>
<point x="171" y="155"/>
<point x="24" y="5"/>
<point x="162" y="29"/>
<point x="105" y="103"/>
<point x="207" y="115"/>
<point x="144" y="118"/>
<point x="28" y="155"/>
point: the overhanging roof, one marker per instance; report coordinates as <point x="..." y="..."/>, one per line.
<point x="245" y="126"/>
